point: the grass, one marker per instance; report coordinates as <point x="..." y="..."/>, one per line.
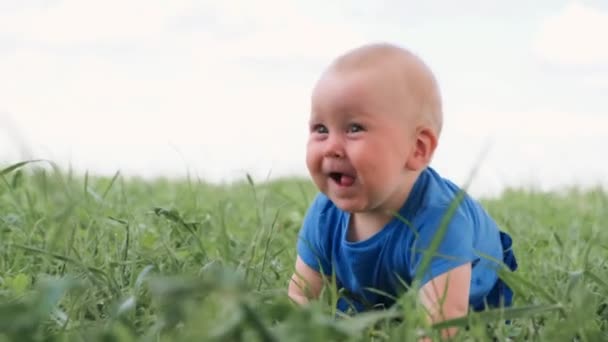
<point x="114" y="259"/>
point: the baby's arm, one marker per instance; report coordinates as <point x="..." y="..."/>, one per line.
<point x="447" y="296"/>
<point x="305" y="283"/>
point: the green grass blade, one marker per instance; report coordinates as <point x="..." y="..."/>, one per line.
<point x="16" y="166"/>
<point x="498" y="314"/>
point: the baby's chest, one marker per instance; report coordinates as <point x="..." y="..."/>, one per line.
<point x="379" y="268"/>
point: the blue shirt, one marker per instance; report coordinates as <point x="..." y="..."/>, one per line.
<point x="394" y="254"/>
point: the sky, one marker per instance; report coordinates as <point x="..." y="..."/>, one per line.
<point x="219" y="89"/>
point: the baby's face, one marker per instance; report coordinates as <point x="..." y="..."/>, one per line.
<point x="359" y="139"/>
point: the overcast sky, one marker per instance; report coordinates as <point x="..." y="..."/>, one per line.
<point x="221" y="88"/>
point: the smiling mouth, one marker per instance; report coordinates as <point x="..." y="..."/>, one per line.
<point x="342" y="179"/>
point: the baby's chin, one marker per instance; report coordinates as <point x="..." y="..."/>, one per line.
<point x="348" y="205"/>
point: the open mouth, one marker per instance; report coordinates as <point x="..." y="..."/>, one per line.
<point x="342" y="179"/>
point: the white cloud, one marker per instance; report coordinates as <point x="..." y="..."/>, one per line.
<point x="529" y="123"/>
<point x="267" y="28"/>
<point x="598" y="80"/>
<point x="78" y="21"/>
<point x="576" y="35"/>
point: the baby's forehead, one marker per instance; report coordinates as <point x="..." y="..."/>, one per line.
<point x="390" y="71"/>
<point x="343" y="88"/>
<point x="361" y="84"/>
<point x="344" y="84"/>
<point x="359" y="94"/>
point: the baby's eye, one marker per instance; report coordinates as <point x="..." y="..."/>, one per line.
<point x="319" y="129"/>
<point x="355" y="128"/>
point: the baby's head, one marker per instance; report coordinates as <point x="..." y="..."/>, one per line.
<point x="375" y="120"/>
<point x="407" y="79"/>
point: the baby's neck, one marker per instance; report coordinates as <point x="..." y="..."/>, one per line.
<point x="362" y="226"/>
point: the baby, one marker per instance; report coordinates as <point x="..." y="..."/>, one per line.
<point x="375" y="122"/>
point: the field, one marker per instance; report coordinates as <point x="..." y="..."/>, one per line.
<point x="86" y="258"/>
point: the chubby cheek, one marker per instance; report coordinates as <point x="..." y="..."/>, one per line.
<point x="375" y="166"/>
<point x="314" y="159"/>
<point x="367" y="161"/>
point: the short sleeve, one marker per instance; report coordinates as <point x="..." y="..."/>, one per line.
<point x="313" y="241"/>
<point x="455" y="248"/>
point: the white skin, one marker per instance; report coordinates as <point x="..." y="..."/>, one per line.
<point x="371" y="134"/>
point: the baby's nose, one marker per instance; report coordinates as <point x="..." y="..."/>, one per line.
<point x="334" y="147"/>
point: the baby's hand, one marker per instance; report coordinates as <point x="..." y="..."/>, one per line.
<point x="447" y="297"/>
<point x="305" y="283"/>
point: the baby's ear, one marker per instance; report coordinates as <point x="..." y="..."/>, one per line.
<point x="424" y="147"/>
